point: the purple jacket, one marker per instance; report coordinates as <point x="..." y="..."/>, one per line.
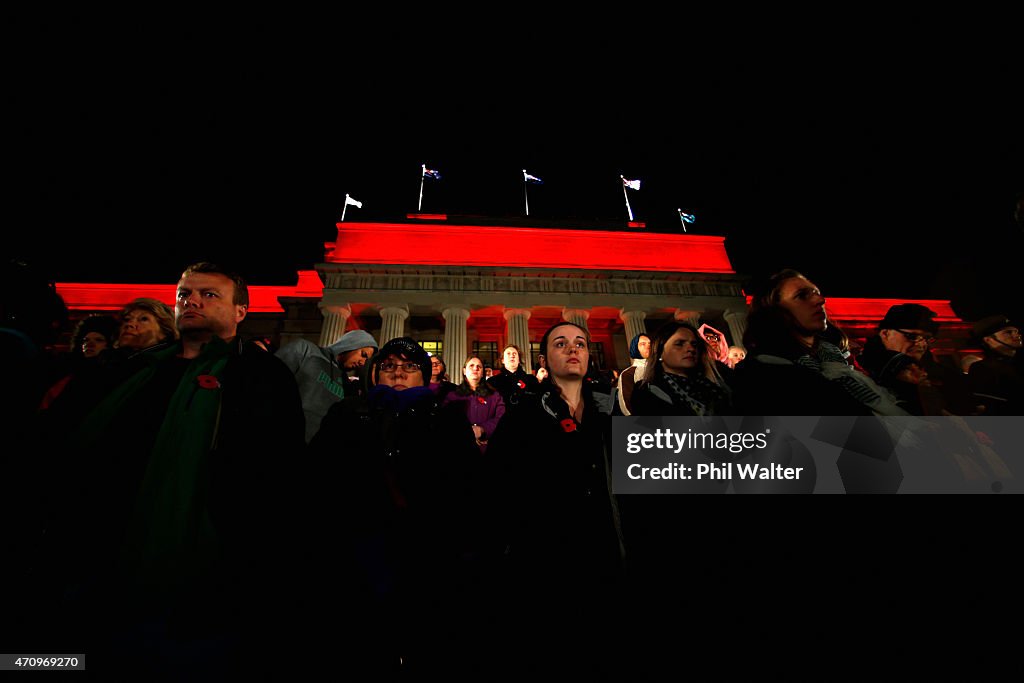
<point x="485" y="411"/>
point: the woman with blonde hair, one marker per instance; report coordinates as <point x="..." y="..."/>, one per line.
<point x="680" y="377"/>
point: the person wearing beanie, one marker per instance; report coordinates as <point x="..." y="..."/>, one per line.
<point x="639" y="350"/>
<point x="997" y="380"/>
<point x="321" y="372"/>
<point x="400" y="505"/>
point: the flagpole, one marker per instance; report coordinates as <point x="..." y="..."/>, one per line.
<point x="627" y="198"/>
<point x="344" y="209"/>
<point x="423" y="173"/>
<point x="526" y="193"/>
<point x="681" y="219"/>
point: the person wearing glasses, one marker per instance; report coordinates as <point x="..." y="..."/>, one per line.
<point x="910" y="329"/>
<point x="396" y="500"/>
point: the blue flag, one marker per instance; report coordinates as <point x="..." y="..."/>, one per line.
<point x="687" y="217"/>
<point x="427" y="173"/>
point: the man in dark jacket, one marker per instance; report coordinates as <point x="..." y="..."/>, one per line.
<point x="997" y="380"/>
<point x="180" y="495"/>
<point x="513" y="381"/>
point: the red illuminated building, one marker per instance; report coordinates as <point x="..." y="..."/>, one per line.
<point x="462" y="287"/>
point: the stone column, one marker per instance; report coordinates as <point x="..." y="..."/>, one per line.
<point x="576" y="316"/>
<point x="335" y="321"/>
<point x="737" y="321"/>
<point x="393" y="323"/>
<point x="634" y="322"/>
<point x="518" y="332"/>
<point x="455" y="348"/>
<point x="692" y="317"/>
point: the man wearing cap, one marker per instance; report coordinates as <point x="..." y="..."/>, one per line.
<point x="997" y="380"/>
<point x="320" y="371"/>
<point x="910" y="329"/>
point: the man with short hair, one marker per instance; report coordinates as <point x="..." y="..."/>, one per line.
<point x="186" y="520"/>
<point x="513" y="380"/>
<point x="997" y="380"/>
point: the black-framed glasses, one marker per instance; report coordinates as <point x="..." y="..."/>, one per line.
<point x="390" y="366"/>
<point x="711" y="336"/>
<point x="913" y="337"/>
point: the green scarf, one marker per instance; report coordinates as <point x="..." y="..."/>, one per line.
<point x="169" y="539"/>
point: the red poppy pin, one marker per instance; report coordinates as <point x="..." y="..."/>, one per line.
<point x="208" y="382"/>
<point x="568" y="425"/>
<point x="482" y="400"/>
<point x="521" y="384"/>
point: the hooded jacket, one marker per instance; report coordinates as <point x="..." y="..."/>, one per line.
<point x="320" y="378"/>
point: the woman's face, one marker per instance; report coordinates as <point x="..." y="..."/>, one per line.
<point x="735" y="356"/>
<point x="567" y="354"/>
<point x="139" y="330"/>
<point x="681" y="355"/>
<point x="356" y="358"/>
<point x="805" y="304"/>
<point x="92" y="344"/>
<point x="474" y="371"/>
<point x="436" y="369"/>
<point x="399" y="374"/>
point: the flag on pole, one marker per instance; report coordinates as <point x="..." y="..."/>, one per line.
<point x="631" y="184"/>
<point x="352" y="202"/>
<point x="527" y="178"/>
<point x="427" y="173"/>
<point x="686" y="217"/>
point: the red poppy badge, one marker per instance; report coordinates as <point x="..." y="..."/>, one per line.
<point x="208" y="382"/>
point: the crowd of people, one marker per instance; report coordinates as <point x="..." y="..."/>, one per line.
<point x="195" y="480"/>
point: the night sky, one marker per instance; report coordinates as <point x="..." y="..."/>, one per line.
<point x="135" y="153"/>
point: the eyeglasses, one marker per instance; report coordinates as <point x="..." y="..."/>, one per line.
<point x="913" y="337"/>
<point x="391" y="366"/>
<point x="711" y="336"/>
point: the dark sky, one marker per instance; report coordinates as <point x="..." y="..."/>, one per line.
<point x="876" y="171"/>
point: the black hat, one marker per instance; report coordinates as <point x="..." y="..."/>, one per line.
<point x="404" y="347"/>
<point x="909" y="317"/>
<point x="990" y="325"/>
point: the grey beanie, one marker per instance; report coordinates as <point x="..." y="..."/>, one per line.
<point x="350" y="341"/>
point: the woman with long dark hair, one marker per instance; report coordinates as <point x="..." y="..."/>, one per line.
<point x="564" y="544"/>
<point x="790" y="368"/>
<point x="681" y="378"/>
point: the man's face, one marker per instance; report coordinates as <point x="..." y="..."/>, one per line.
<point x="356" y="358"/>
<point x="912" y="342"/>
<point x="1006" y="341"/>
<point x="510" y="359"/>
<point x="644" y="346"/>
<point x="204" y="305"/>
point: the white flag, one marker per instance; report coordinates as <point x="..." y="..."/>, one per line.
<point x="631" y="184"/>
<point x="351" y="202"/>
